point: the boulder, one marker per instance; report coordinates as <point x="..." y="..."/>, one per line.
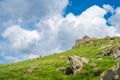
<point x="95" y="44"/>
<point x="111" y="74"/>
<point x="93" y="65"/>
<point x="30" y="70"/>
<point x="107" y="52"/>
<point x="105" y="45"/>
<point x="62" y="57"/>
<point x="99" y="59"/>
<point x="76" y="63"/>
<point x="110" y="38"/>
<point x="61" y="69"/>
<point x="96" y="71"/>
<point x="107" y="75"/>
<point x="113" y="38"/>
<point x="78" y="42"/>
<point x="107" y="37"/>
<point x="69" y="71"/>
<point x="87" y="39"/>
<point x="116" y="52"/>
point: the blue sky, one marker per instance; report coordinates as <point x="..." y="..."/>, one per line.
<point x="43" y="27"/>
<point x="78" y="6"/>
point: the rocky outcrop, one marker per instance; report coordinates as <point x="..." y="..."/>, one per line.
<point x="115" y="52"/>
<point x="61" y="69"/>
<point x="107" y="52"/>
<point x="111" y="74"/>
<point x="113" y="38"/>
<point x="30" y="70"/>
<point x="62" y="57"/>
<point x="107" y="38"/>
<point x="78" y="42"/>
<point x="97" y="71"/>
<point x="76" y="63"/>
<point x="105" y="46"/>
<point x="110" y="38"/>
<point x="85" y="39"/>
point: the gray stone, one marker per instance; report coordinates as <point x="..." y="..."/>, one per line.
<point x="62" y="57"/>
<point x="76" y="63"/>
<point x="107" y="52"/>
<point x="111" y="74"/>
<point x="61" y="69"/>
<point x="78" y="42"/>
<point x="114" y="38"/>
<point x="30" y="70"/>
<point x="93" y="65"/>
<point x="107" y="37"/>
<point x="87" y="39"/>
<point x="96" y="71"/>
<point x="110" y="38"/>
<point x="95" y="44"/>
<point x="116" y="52"/>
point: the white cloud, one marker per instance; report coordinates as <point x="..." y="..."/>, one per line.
<point x="57" y="33"/>
<point x="31" y="56"/>
<point x="108" y="8"/>
<point x="29" y="10"/>
<point x="11" y="58"/>
<point x="19" y="38"/>
<point x="115" y="19"/>
<point x="22" y="12"/>
<point x="60" y="32"/>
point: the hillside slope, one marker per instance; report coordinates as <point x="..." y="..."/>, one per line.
<point x="45" y="68"/>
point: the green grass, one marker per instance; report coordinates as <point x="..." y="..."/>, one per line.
<point x="46" y="66"/>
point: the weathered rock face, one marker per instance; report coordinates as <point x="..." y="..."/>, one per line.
<point x="107" y="52"/>
<point x="115" y="52"/>
<point x="112" y="74"/>
<point x="107" y="38"/>
<point x="61" y="69"/>
<point x="85" y="39"/>
<point x="96" y="71"/>
<point x="78" y="42"/>
<point x="110" y="38"/>
<point x="76" y="63"/>
<point x="114" y="37"/>
<point x="104" y="46"/>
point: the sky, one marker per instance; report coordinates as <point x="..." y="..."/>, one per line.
<point x="30" y="29"/>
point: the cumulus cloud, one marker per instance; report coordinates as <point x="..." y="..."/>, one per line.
<point x="19" y="38"/>
<point x="11" y="58"/>
<point x="61" y="32"/>
<point x="108" y="8"/>
<point x="115" y="19"/>
<point x="14" y="13"/>
<point x="31" y="56"/>
<point x="53" y="33"/>
<point x="29" y="10"/>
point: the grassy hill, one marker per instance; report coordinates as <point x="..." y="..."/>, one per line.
<point x="46" y="67"/>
